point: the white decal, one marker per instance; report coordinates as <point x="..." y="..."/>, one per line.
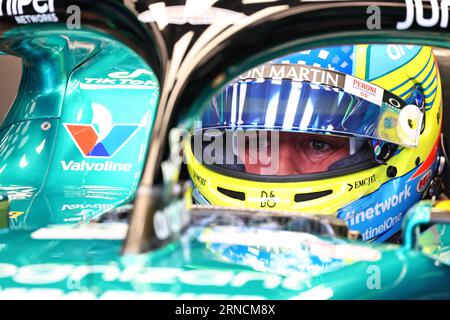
<point x="95" y="166"/>
<point x="110" y="231"/>
<point x="181" y="14"/>
<point x="43" y="10"/>
<point x="121" y="80"/>
<point x="100" y="206"/>
<point x="128" y="75"/>
<point x="396" y="51"/>
<point x="74" y="274"/>
<point x="294" y="72"/>
<point x="20" y="293"/>
<point x="416" y="6"/>
<point x="364" y="89"/>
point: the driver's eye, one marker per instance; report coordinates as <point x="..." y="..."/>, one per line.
<point x="319" y="145"/>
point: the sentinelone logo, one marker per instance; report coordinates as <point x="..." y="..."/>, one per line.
<point x="88" y="143"/>
<point x="43" y="10"/>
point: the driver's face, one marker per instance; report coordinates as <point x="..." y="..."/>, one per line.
<point x="299" y="153"/>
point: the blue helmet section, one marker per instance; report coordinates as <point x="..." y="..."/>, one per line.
<point x="335" y="58"/>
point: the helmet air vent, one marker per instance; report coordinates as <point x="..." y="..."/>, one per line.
<point x="232" y="194"/>
<point x="301" y="197"/>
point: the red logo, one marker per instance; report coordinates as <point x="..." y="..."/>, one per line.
<point x="86" y="139"/>
<point x="424" y="180"/>
<point x="364" y="86"/>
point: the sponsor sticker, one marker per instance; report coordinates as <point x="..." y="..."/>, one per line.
<point x="365" y="182"/>
<point x="91" y="145"/>
<point x="86" y="138"/>
<point x="121" y="80"/>
<point x="364" y="89"/>
<point x="378" y="218"/>
<point x="80" y="206"/>
<point x="424" y="180"/>
<point x="40" y="10"/>
<point x="296" y="72"/>
<point x="15" y="214"/>
<point x="111" y="231"/>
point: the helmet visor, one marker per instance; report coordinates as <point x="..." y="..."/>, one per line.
<point x="328" y="103"/>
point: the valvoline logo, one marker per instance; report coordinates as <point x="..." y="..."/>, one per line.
<point x="86" y="138"/>
<point x="101" y="139"/>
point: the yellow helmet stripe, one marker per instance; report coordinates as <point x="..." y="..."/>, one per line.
<point x="361" y="61"/>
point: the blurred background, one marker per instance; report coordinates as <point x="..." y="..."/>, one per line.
<point x="11" y="71"/>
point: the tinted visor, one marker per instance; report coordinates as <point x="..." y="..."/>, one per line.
<point x="346" y="107"/>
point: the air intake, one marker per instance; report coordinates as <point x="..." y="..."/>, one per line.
<point x="232" y="194"/>
<point x="301" y="197"/>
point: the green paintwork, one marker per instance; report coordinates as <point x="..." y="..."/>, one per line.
<point x="51" y="263"/>
<point x="66" y="80"/>
<point x="420" y="216"/>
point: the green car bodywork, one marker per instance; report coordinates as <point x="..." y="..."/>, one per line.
<point x="73" y="78"/>
<point x="84" y="262"/>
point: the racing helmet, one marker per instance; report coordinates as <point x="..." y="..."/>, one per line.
<point x="352" y="131"/>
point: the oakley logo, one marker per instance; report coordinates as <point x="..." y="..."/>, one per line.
<point x="87" y="141"/>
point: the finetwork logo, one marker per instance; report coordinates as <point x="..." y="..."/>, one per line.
<point x="354" y="218"/>
<point x="91" y="145"/>
<point x="379" y="208"/>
